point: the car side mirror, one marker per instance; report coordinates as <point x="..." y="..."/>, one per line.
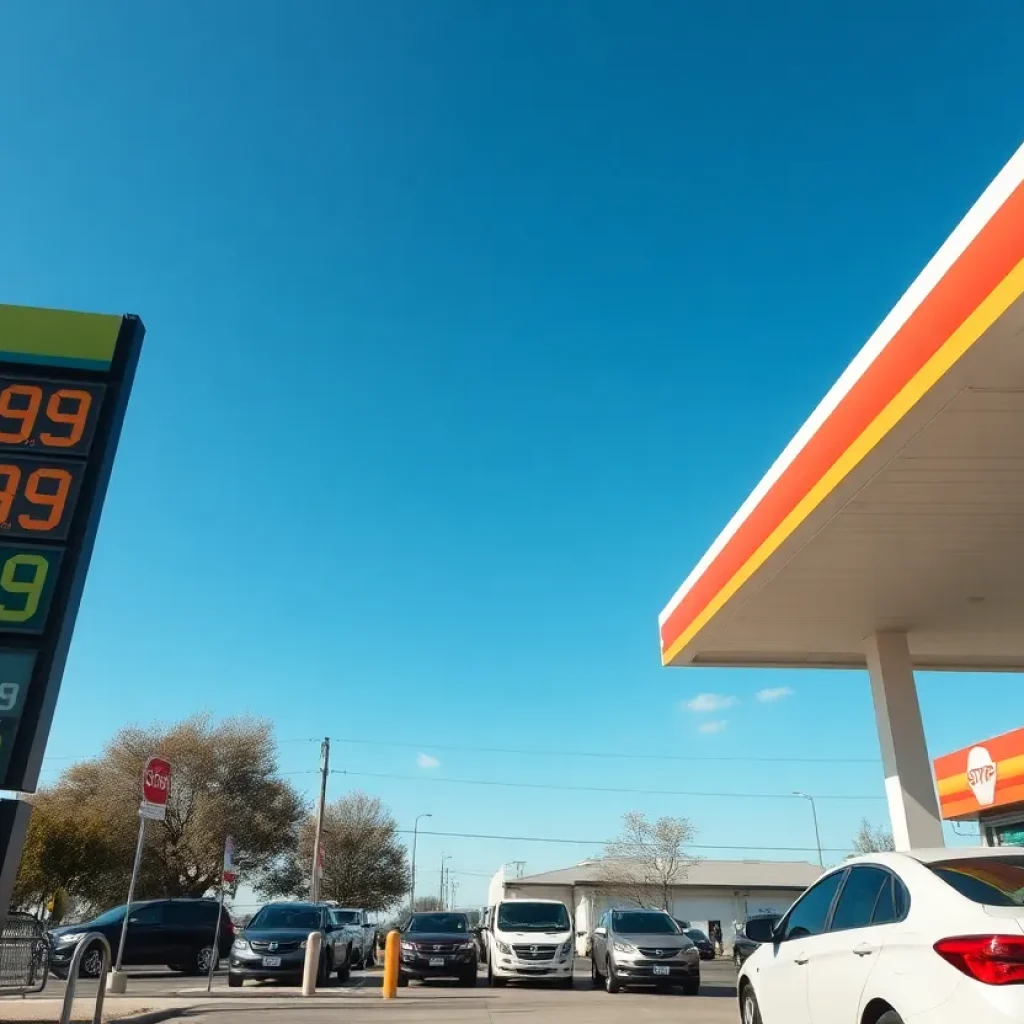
<point x="600" y="931"/>
<point x="760" y="930"/>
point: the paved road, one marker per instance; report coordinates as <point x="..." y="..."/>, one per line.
<point x="440" y="1002"/>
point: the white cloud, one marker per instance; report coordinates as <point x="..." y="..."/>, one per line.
<point x="773" y="693"/>
<point x="426" y="761"/>
<point x="704" y="703"/>
<point x="715" y="725"/>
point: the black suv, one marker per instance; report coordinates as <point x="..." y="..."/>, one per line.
<point x="175" y="933"/>
<point x="438" y="945"/>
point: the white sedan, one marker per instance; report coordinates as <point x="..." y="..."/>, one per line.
<point x="923" y="937"/>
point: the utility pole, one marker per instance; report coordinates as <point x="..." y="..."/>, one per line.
<point x="325" y="761"/>
<point x="412" y="879"/>
<point x="444" y="857"/>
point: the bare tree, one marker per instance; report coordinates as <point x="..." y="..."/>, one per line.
<point x="364" y="860"/>
<point x="872" y="839"/>
<point x="646" y="859"/>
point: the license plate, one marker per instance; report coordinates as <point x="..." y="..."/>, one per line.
<point x="271" y="961"/>
<point x="437" y="961"/>
<point x="661" y="970"/>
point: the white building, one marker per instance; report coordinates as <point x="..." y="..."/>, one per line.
<point x="725" y="892"/>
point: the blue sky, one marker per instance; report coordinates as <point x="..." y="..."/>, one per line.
<point x="470" y="325"/>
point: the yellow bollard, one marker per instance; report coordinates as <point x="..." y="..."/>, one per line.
<point x="391" y="948"/>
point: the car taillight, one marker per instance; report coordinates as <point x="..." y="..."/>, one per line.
<point x="992" y="959"/>
<point x="229" y="926"/>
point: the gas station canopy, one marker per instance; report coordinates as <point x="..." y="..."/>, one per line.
<point x="898" y="508"/>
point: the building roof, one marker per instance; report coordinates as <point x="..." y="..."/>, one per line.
<point x="899" y="505"/>
<point x="721" y="874"/>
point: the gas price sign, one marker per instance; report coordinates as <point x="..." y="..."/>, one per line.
<point x="65" y="379"/>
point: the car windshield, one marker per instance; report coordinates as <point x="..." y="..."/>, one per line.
<point x="993" y="881"/>
<point x="346" y="916"/>
<point x="438" y="923"/>
<point x="284" y="916"/>
<point x="109" y="916"/>
<point x="533" y="917"/>
<point x="637" y="922"/>
<point x="697" y="935"/>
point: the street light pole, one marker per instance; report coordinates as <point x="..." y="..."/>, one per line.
<point x="814" y="814"/>
<point x="412" y="882"/>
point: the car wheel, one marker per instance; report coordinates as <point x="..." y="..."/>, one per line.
<point x="737" y="959"/>
<point x="403" y="980"/>
<point x="890" y="1017"/>
<point x="748" y="1006"/>
<point x="201" y="961"/>
<point x="595" y="974"/>
<point x="611" y="983"/>
<point x="323" y="972"/>
<point x="234" y="981"/>
<point x="369" y="960"/>
<point x="344" y="972"/>
<point x="91" y="965"/>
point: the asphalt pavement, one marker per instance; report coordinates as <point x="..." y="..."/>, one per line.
<point x="434" y="1002"/>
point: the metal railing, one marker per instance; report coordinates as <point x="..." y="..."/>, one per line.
<point x="76" y="960"/>
<point x="24" y="955"/>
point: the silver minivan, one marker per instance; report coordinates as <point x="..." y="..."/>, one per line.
<point x="643" y="947"/>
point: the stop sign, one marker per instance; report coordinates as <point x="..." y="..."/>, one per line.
<point x="156" y="781"/>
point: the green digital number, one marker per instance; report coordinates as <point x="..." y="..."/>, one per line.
<point x="31" y="589"/>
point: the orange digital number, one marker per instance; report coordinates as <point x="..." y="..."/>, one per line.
<point x="11" y="478"/>
<point x="78" y="418"/>
<point x="26" y="416"/>
<point x="55" y="502"/>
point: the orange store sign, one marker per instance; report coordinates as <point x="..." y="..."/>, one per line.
<point x="986" y="775"/>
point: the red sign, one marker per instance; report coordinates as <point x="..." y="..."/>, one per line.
<point x="156" y="781"/>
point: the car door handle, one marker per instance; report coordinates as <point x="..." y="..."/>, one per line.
<point x="864" y="949"/>
<point x="801" y="958"/>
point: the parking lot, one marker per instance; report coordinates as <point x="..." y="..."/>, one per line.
<point x="435" y="1001"/>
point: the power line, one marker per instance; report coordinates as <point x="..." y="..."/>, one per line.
<point x="602" y="842"/>
<point x="609" y="755"/>
<point x="596" y="789"/>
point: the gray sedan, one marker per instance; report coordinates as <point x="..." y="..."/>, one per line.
<point x="643" y="947"/>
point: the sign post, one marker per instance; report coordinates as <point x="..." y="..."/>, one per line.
<point x="156" y="787"/>
<point x="65" y="379"/>
<point x="227" y="876"/>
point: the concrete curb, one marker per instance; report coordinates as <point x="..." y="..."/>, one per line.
<point x="156" y="1016"/>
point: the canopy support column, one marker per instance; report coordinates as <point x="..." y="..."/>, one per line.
<point x="913" y="807"/>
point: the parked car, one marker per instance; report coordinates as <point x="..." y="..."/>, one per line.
<point x="438" y="945"/>
<point x="364" y="934"/>
<point x="705" y="947"/>
<point x="480" y="932"/>
<point x="928" y="936"/>
<point x="175" y="933"/>
<point x="530" y="939"/>
<point x="274" y="944"/>
<point x="643" y="947"/>
<point x="742" y="944"/>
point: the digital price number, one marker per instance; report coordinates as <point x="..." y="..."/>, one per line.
<point x="48" y="415"/>
<point x="15" y="677"/>
<point x="37" y="499"/>
<point x="27" y="577"/>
